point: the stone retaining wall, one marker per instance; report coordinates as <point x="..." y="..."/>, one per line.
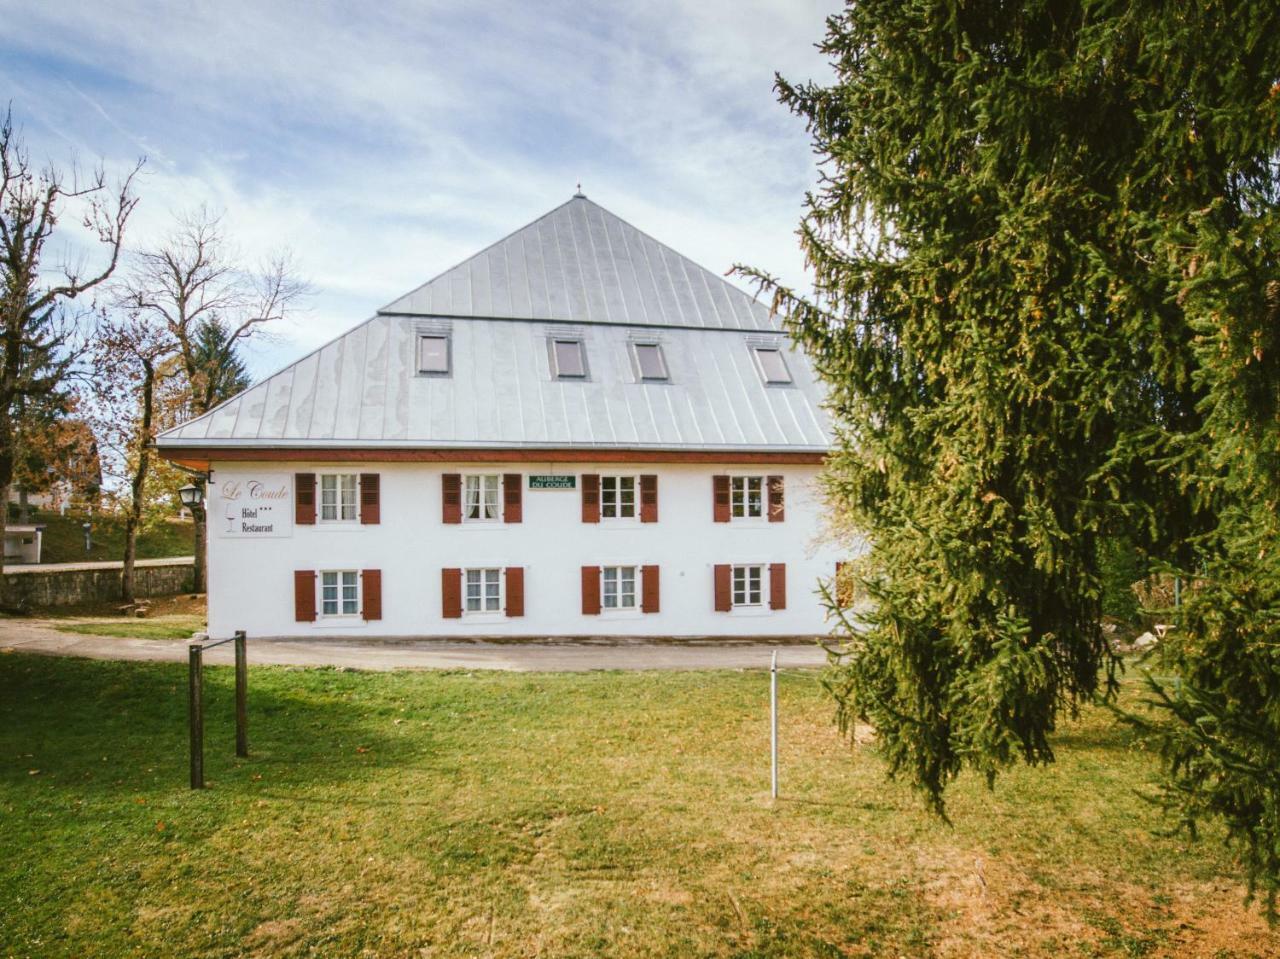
<point x="73" y="586"/>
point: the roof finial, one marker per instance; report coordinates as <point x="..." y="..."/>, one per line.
<point x="580" y="193"/>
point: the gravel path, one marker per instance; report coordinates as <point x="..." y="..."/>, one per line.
<point x="36" y="636"/>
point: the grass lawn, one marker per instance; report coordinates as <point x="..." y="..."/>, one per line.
<point x="487" y="814"/>
<point x="168" y="617"/>
<point x="64" y="538"/>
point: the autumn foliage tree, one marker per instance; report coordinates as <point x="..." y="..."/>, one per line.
<point x="41" y="336"/>
<point x="1046" y="246"/>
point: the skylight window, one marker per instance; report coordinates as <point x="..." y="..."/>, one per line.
<point x="650" y="363"/>
<point x="569" y="360"/>
<point x="772" y="366"/>
<point x="433" y="355"/>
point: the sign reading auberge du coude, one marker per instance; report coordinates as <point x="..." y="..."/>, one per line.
<point x="252" y="506"/>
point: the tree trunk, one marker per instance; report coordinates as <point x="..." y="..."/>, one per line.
<point x="6" y="479"/>
<point x="138" y="486"/>
<point x="198" y="574"/>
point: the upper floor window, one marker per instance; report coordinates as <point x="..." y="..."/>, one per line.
<point x="484" y="590"/>
<point x="568" y="359"/>
<point x="618" y="587"/>
<point x="746" y="497"/>
<point x="433" y="354"/>
<point x="747" y="585"/>
<point x="338" y="497"/>
<point x="480" y="499"/>
<point x="339" y="592"/>
<point x="617" y="497"/>
<point x="772" y="366"/>
<point x="651" y="365"/>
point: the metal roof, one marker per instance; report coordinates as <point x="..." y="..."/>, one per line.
<point x="581" y="264"/>
<point x="500" y="309"/>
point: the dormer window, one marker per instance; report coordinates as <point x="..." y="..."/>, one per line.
<point x="568" y="359"/>
<point x="773" y="368"/>
<point x="651" y="365"/>
<point x="433" y="354"/>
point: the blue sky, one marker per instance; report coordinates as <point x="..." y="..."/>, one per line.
<point x="382" y="143"/>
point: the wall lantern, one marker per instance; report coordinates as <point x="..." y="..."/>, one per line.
<point x="190" y="496"/>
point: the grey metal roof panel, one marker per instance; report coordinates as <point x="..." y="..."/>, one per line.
<point x="582" y="264"/>
<point x="578" y="270"/>
<point x="361" y="389"/>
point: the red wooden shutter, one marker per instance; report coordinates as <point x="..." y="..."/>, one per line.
<point x="515" y="590"/>
<point x="649" y="499"/>
<point x="304" y="499"/>
<point x="777" y="585"/>
<point x="370" y="499"/>
<point x="591" y="498"/>
<point x="451" y="497"/>
<point x="304" y="595"/>
<point x="724" y="594"/>
<point x="371" y="583"/>
<point x="591" y="590"/>
<point x="451" y="593"/>
<point x="720" y="499"/>
<point x="512" y="506"/>
<point x="648" y="589"/>
<point x="777" y="504"/>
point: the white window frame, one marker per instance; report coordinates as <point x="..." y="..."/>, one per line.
<point x="340" y="586"/>
<point x="639" y="367"/>
<point x="338" y="505"/>
<point x="480" y="483"/>
<point x="448" y="354"/>
<point x="614" y="573"/>
<point x="501" y="591"/>
<point x="762" y="587"/>
<point x="756" y="350"/>
<point x="740" y="494"/>
<point x="617" y="482"/>
<point x="552" y="342"/>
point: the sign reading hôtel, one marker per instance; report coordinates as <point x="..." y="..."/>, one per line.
<point x="252" y="506"/>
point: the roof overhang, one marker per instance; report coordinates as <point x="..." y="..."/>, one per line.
<point x="198" y="457"/>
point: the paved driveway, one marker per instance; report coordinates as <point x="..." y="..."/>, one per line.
<point x="34" y="636"/>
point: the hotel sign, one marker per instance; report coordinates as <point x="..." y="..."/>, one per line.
<point x="253" y="506"/>
<point x="552" y="481"/>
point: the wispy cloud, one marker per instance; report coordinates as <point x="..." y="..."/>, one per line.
<point x="382" y="145"/>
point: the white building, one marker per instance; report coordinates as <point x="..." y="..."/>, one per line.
<point x="575" y="432"/>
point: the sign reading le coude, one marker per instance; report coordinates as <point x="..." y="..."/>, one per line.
<point x="552" y="481"/>
<point x="253" y="506"/>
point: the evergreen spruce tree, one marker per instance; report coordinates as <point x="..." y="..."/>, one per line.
<point x="1045" y="247"/>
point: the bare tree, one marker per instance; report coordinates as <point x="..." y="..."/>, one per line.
<point x="38" y="334"/>
<point x="193" y="279"/>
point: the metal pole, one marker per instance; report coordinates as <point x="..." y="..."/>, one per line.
<point x="195" y="712"/>
<point x="242" y="684"/>
<point x="773" y="722"/>
<point x="1177" y="592"/>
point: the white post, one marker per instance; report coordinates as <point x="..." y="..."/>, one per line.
<point x="773" y="721"/>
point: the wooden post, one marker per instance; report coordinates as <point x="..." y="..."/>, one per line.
<point x="242" y="683"/>
<point x="773" y="724"/>
<point x="195" y="712"/>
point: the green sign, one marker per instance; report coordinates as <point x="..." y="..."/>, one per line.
<point x="552" y="481"/>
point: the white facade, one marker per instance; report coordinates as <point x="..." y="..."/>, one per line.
<point x="251" y="583"/>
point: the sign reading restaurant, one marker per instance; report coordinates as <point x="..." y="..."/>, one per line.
<point x="252" y="506"/>
<point x="553" y="481"/>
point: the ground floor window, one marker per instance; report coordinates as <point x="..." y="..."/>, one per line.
<point x="618" y="587"/>
<point x="747" y="589"/>
<point x="339" y="592"/>
<point x="484" y="590"/>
